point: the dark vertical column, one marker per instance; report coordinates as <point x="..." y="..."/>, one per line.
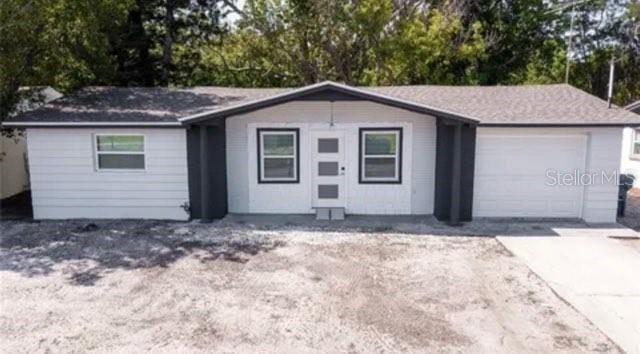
<point x="205" y="181"/>
<point x="218" y="170"/>
<point x="456" y="176"/>
<point x="468" y="171"/>
<point x="442" y="193"/>
<point x="193" y="159"/>
<point x="455" y="169"/>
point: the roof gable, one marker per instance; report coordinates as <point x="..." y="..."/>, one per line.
<point x="330" y="91"/>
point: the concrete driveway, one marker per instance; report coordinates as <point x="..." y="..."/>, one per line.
<point x="596" y="275"/>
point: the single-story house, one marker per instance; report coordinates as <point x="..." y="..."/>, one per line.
<point x="450" y="151"/>
<point x="631" y="148"/>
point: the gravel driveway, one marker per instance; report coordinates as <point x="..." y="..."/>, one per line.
<point x="155" y="286"/>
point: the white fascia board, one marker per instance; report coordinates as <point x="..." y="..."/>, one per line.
<point x="90" y="124"/>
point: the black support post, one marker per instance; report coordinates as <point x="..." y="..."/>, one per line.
<point x="455" y="164"/>
<point x="218" y="170"/>
<point x="207" y="158"/>
<point x="205" y="186"/>
<point x="456" y="176"/>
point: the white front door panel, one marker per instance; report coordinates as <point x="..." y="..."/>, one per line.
<point x="328" y="169"/>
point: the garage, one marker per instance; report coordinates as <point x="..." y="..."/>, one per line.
<point x="512" y="175"/>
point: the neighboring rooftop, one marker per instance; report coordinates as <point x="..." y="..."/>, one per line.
<point x="34" y="97"/>
<point x="634" y="107"/>
<point x="489" y="105"/>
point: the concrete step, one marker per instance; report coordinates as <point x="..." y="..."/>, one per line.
<point x="329" y="213"/>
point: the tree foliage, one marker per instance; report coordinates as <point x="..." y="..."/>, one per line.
<point x="71" y="43"/>
<point x="366" y="42"/>
<point x="46" y="42"/>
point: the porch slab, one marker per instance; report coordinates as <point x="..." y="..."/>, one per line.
<point x="429" y="225"/>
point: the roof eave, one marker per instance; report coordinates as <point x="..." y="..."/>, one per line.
<point x="19" y="124"/>
<point x="559" y="125"/>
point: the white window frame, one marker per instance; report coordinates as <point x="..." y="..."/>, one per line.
<point x="397" y="178"/>
<point x="635" y="140"/>
<point x="261" y="157"/>
<point x="96" y="153"/>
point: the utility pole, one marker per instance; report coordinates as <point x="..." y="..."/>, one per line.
<point x="570" y="44"/>
<point x="612" y="69"/>
<point x="560" y="9"/>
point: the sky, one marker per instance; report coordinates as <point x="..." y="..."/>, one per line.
<point x="233" y="17"/>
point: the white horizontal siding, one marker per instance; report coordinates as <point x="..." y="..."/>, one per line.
<point x="629" y="165"/>
<point x="108" y="177"/>
<point x="102" y="212"/>
<point x="111" y="186"/>
<point x="65" y="183"/>
<point x="157" y="194"/>
<point x="413" y="196"/>
<point x="601" y="200"/>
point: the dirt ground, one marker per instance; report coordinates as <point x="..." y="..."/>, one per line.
<point x="632" y="217"/>
<point x="227" y="287"/>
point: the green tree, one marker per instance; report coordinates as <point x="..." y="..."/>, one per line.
<point x="606" y="30"/>
<point x="162" y="39"/>
<point x="73" y="43"/>
<point x="62" y="43"/>
<point x="512" y="30"/>
<point x="366" y="42"/>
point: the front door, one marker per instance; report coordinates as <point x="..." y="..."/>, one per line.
<point x="328" y="169"/>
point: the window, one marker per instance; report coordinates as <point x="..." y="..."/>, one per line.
<point x="381" y="155"/>
<point x="328" y="146"/>
<point x="120" y="152"/>
<point x="278" y="160"/>
<point x="635" y="146"/>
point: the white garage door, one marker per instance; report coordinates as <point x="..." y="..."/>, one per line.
<point x="511" y="176"/>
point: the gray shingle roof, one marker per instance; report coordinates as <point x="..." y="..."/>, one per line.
<point x="135" y="104"/>
<point x="528" y="104"/>
<point x="500" y="105"/>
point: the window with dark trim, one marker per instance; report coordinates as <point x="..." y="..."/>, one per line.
<point x="278" y="155"/>
<point x="380" y="156"/>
